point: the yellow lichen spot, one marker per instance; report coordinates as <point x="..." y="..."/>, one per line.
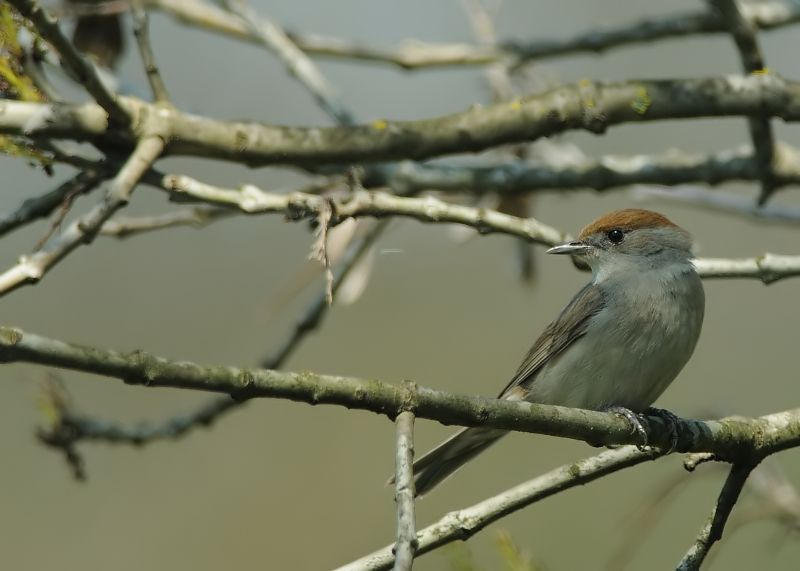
<point x="762" y="71"/>
<point x="516" y="104"/>
<point x="379" y="124"/>
<point x="641" y="103"/>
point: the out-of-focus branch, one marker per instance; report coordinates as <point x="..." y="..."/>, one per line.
<point x="31" y="268"/>
<point x="712" y="531"/>
<point x="414" y="54"/>
<point x="586" y="105"/>
<point x="464" y="523"/>
<point x="83" y="69"/>
<point x="744" y="36"/>
<point x="611" y="172"/>
<point x="721" y="202"/>
<point x="142" y="32"/>
<point x="299" y="65"/>
<point x="406" y="544"/>
<point x="124" y="227"/>
<point x="42" y="206"/>
<point x="72" y="428"/>
<point x="733" y="439"/>
<point x="314" y="313"/>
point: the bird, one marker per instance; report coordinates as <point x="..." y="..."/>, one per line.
<point x="616" y="346"/>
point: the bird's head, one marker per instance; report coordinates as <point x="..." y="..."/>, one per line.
<point x="630" y="239"/>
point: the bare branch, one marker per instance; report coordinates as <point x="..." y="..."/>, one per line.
<point x="414" y="54"/>
<point x="591" y="106"/>
<point x="464" y="523"/>
<point x="610" y="172"/>
<point x="744" y="35"/>
<point x="74" y="427"/>
<point x="732" y="439"/>
<point x="768" y="267"/>
<point x="298" y="205"/>
<point x="406" y="545"/>
<point x="142" y="33"/>
<point x="712" y="532"/>
<point x="721" y="202"/>
<point x="299" y="65"/>
<point x="42" y="206"/>
<point x="83" y="68"/>
<point x="199" y="217"/>
<point x="30" y="269"/>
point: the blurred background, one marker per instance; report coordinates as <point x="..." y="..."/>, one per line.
<point x="280" y="485"/>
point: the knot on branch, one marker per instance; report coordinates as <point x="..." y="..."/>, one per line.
<point x="593" y="118"/>
<point x="9" y="337"/>
<point x="409" y="398"/>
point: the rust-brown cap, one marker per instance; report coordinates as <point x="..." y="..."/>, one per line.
<point x="626" y="220"/>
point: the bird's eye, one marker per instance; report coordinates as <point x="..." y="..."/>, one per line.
<point x="615" y="236"/>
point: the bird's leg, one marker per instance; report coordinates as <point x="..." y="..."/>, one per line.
<point x="634" y="420"/>
<point x="671" y="421"/>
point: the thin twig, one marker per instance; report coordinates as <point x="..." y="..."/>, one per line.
<point x="606" y="173"/>
<point x="498" y="76"/>
<point x="297" y="205"/>
<point x="82" y="67"/>
<point x="299" y="65"/>
<point x="406" y="544"/>
<point x="124" y="227"/>
<point x="744" y="36"/>
<point x="464" y="523"/>
<point x="30" y="269"/>
<point x="712" y="531"/>
<point x="42" y="206"/>
<point x="142" y="33"/>
<point x="768" y="267"/>
<point x="316" y="311"/>
<point x="414" y="54"/>
<point x="721" y="202"/>
<point x="82" y="427"/>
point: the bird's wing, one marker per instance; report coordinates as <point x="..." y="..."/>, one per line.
<point x="570" y="325"/>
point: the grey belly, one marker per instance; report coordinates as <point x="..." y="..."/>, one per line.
<point x="611" y="367"/>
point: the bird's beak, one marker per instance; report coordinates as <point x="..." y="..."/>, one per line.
<point x="575" y="247"/>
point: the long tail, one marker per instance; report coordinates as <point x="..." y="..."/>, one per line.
<point x="450" y="455"/>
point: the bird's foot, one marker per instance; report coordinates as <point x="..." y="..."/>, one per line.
<point x="671" y="420"/>
<point x="634" y="420"/>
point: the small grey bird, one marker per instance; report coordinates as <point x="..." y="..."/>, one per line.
<point x="616" y="346"/>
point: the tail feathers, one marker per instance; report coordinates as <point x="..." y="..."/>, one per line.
<point x="441" y="462"/>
